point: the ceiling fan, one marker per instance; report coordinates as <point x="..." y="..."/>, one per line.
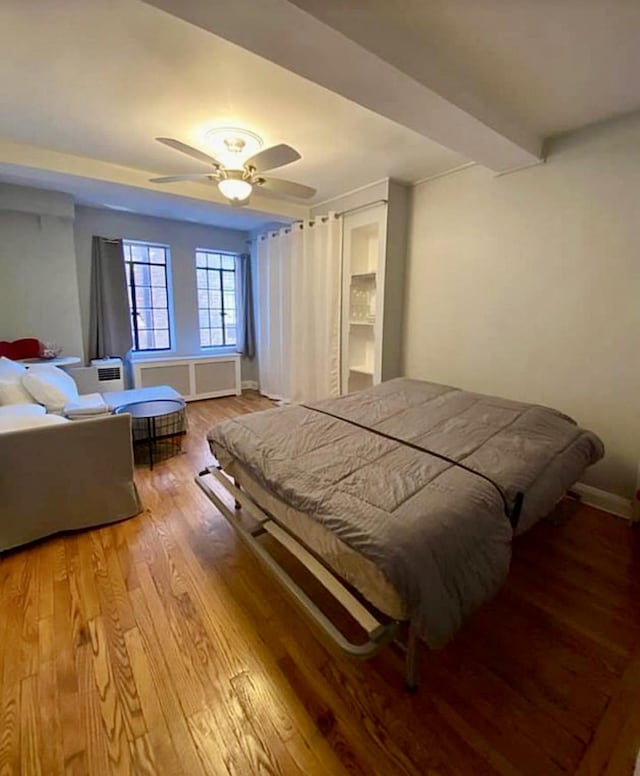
<point x="235" y="178"/>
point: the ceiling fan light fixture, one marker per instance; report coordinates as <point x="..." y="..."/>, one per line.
<point x="235" y="189"/>
<point x="232" y="144"/>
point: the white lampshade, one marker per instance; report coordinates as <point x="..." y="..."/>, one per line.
<point x="232" y="188"/>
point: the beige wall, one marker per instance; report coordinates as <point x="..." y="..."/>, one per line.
<point x="528" y="286"/>
<point x="183" y="238"/>
<point x="38" y="286"/>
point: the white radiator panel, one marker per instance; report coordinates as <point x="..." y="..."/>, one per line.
<point x="197" y="377"/>
<point x="175" y="375"/>
<point x="213" y="376"/>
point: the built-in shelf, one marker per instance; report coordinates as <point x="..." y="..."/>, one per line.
<point x="362" y="370"/>
<point x="362" y="323"/>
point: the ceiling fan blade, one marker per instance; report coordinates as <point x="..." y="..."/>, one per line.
<point x="190" y="177"/>
<point x="270" y="158"/>
<point x="194" y="153"/>
<point x="288" y="188"/>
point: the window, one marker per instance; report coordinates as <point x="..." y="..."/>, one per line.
<point x="216" y="280"/>
<point x="146" y="266"/>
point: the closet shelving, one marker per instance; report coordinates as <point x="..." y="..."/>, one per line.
<point x="372" y="283"/>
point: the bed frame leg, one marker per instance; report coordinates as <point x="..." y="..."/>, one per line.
<point x="412" y="668"/>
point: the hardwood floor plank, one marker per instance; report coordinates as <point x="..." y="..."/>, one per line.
<point x="67" y="677"/>
<point x="159" y="736"/>
<point x="539" y="669"/>
<point x="143" y="762"/>
<point x="117" y="583"/>
<point x="95" y="759"/>
<point x="51" y="750"/>
<point x="123" y="542"/>
<point x="616" y="742"/>
<point x="156" y="658"/>
<point x="10" y="753"/>
<point x="185" y="678"/>
<point x="111" y="705"/>
<point x="433" y="742"/>
<point x="355" y="754"/>
<point x="118" y="657"/>
<point x="261" y="705"/>
<point x="218" y="756"/>
<point x="27" y="643"/>
<point x="30" y="731"/>
<point x="46" y="576"/>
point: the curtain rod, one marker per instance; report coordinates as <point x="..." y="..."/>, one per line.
<point x="324" y="219"/>
<point x="362" y="207"/>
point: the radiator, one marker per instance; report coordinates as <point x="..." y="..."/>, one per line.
<point x="194" y="377"/>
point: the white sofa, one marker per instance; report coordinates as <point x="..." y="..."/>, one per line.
<point x="55" y="390"/>
<point x="58" y="475"/>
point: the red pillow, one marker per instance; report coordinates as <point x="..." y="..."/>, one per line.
<point x="21" y="348"/>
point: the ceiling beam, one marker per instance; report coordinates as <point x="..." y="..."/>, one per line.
<point x="368" y="73"/>
<point x="18" y="155"/>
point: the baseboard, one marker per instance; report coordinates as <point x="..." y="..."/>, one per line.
<point x="602" y="499"/>
<point x="249" y="385"/>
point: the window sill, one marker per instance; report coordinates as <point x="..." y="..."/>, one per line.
<point x="223" y="350"/>
<point x="175" y="358"/>
<point x="145" y="355"/>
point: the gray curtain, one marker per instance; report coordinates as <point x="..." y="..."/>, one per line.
<point x="110" y="319"/>
<point x="246" y="337"/>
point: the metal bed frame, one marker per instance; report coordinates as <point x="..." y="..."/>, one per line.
<point x="379" y="634"/>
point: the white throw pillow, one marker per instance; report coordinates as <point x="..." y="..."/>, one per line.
<point x="14" y="393"/>
<point x="22" y="410"/>
<point x="50" y="386"/>
<point x="11" y="371"/>
<point x="29" y="421"/>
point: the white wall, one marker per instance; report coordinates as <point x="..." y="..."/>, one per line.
<point x="528" y="286"/>
<point x="183" y="239"/>
<point x="38" y="287"/>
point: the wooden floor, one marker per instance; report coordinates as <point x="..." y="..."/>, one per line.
<point x="158" y="645"/>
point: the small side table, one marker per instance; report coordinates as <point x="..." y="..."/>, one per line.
<point x="62" y="361"/>
<point x="164" y="420"/>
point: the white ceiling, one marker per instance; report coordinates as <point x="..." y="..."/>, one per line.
<point x="552" y="65"/>
<point x="87" y="84"/>
<point x="102" y="78"/>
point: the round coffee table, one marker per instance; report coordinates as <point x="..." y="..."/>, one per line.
<point x="154" y="412"/>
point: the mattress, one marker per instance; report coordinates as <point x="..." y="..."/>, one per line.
<point x="421" y="479"/>
<point x="347" y="563"/>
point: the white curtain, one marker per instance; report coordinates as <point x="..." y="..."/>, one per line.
<point x="299" y="281"/>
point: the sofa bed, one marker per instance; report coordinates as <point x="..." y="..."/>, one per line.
<point x="63" y="466"/>
<point x="408" y="493"/>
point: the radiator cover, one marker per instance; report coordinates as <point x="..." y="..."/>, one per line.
<point x="195" y="377"/>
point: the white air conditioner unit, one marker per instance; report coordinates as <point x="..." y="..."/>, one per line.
<point x="104" y="375"/>
<point x="110" y="376"/>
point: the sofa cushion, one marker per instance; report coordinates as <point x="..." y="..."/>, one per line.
<point x="13" y="392"/>
<point x="21" y="422"/>
<point x="22" y="410"/>
<point x="50" y="386"/>
<point x="86" y="406"/>
<point x="116" y="399"/>
<point x="11" y="371"/>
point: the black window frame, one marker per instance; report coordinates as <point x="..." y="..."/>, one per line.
<point x="130" y="263"/>
<point x="217" y="286"/>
